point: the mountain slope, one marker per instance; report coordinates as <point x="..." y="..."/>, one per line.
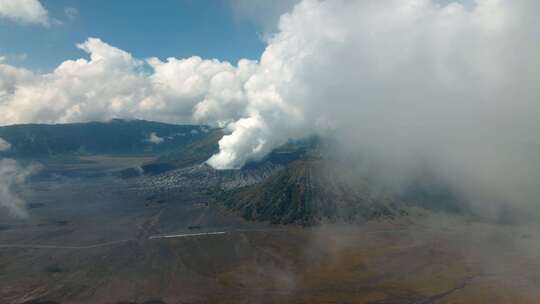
<point x="311" y="190"/>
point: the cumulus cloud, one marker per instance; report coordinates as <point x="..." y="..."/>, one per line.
<point x="112" y="83"/>
<point x="12" y="179"/>
<point x="198" y="90"/>
<point x="24" y="11"/>
<point x="154" y="138"/>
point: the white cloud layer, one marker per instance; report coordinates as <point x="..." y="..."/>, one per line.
<point x="24" y="11"/>
<point x="397" y="80"/>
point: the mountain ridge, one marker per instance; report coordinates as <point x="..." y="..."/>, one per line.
<point x="113" y="137"/>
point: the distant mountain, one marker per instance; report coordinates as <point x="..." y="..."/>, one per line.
<point x="113" y="137"/>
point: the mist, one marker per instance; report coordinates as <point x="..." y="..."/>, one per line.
<point x="13" y="177"/>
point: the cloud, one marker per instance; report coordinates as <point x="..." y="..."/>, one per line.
<point x="71" y="13"/>
<point x="24" y="11"/>
<point x="4" y="145"/>
<point x="153" y="138"/>
<point x="12" y="179"/>
<point x="10" y="78"/>
<point x="112" y="83"/>
<point x="197" y="89"/>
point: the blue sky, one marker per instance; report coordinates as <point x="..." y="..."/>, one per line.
<point x="165" y="28"/>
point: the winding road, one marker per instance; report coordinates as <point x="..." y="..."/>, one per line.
<point x="111" y="243"/>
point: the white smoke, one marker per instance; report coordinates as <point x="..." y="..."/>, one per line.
<point x="12" y="179"/>
<point x="4" y="145"/>
<point x="405" y="84"/>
